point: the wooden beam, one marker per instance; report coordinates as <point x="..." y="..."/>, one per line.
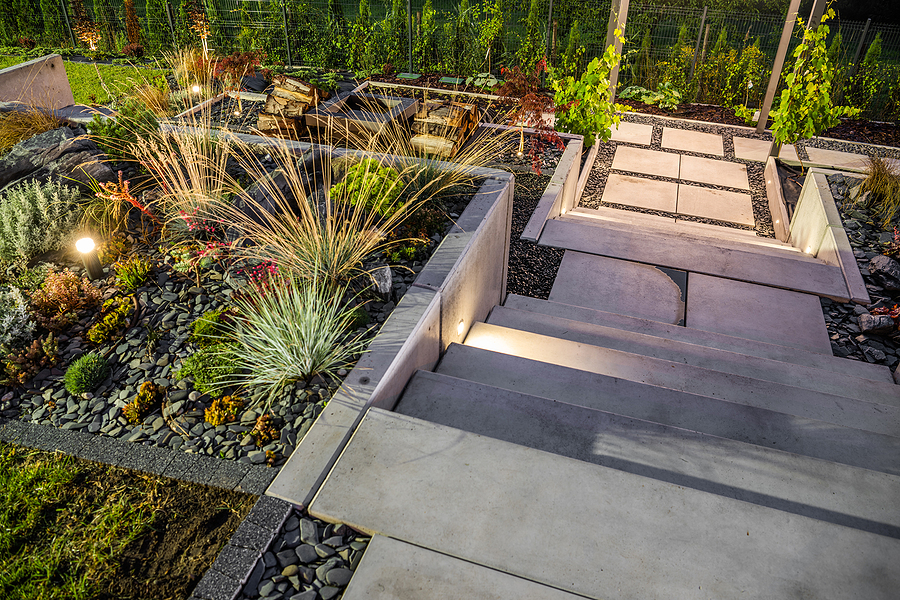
<point x="789" y="21"/>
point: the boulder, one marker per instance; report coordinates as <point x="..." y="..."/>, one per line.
<point x="887" y="271"/>
<point x="64" y="154"/>
<point x="875" y="323"/>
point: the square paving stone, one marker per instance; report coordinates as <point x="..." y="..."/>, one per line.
<point x="13" y="430"/>
<point x="149" y="459"/>
<point x="693" y="141"/>
<point x="257" y="480"/>
<point x="73" y="441"/>
<point x="643" y="193"/>
<point x="751" y="149"/>
<point x="633" y="133"/>
<point x="834" y="158"/>
<point x="252" y="536"/>
<point x="612" y="285"/>
<point x="732" y="207"/>
<point x="228" y="474"/>
<point x="647" y="162"/>
<point x="48" y="438"/>
<point x="179" y="466"/>
<point x="216" y="586"/>
<point x="201" y="470"/>
<point x="715" y="172"/>
<point x="270" y="512"/>
<point x="104" y="450"/>
<point x="237" y="563"/>
<point x="756" y="312"/>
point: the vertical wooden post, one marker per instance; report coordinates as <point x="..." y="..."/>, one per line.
<point x="409" y="67"/>
<point x="287" y="39"/>
<point x="859" y="47"/>
<point x="618" y="17"/>
<point x="65" y="12"/>
<point x="171" y="24"/>
<point x="697" y="45"/>
<point x="705" y="39"/>
<point x="815" y="15"/>
<point x="789" y="21"/>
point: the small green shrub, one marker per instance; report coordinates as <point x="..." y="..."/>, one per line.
<point x="116" y="136"/>
<point x="212" y="368"/>
<point x="16" y="326"/>
<point x="36" y="218"/>
<point x="63" y="295"/>
<point x="372" y="185"/>
<point x="114" y="316"/>
<point x="211" y="328"/>
<point x="86" y="373"/>
<point x="132" y="272"/>
<point x="137" y="409"/>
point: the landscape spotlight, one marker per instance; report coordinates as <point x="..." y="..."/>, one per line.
<point x="89" y="256"/>
<point x="461" y="327"/>
<point x="196" y="89"/>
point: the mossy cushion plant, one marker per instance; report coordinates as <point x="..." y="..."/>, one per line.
<point x="86" y="373"/>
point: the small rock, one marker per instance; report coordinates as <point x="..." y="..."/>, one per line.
<point x="875" y="323"/>
<point x="309" y="534"/>
<point x="339" y="577"/>
<point x="290" y="570"/>
<point x="306" y="553"/>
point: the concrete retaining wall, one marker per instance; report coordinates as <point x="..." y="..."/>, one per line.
<point x="41" y="82"/>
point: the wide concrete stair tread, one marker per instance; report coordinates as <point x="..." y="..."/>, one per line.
<point x="733" y="237"/>
<point x="682" y="252"/>
<point x="811" y="487"/>
<point x="394" y="570"/>
<point x="587" y="529"/>
<point x="701" y="337"/>
<point x="829" y="440"/>
<point x="800" y="401"/>
<point x="699" y="356"/>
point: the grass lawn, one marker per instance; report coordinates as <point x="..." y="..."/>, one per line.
<point x="88" y="79"/>
<point x="78" y="530"/>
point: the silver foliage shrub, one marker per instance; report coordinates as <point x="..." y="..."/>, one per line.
<point x="16" y="326"/>
<point x="37" y="218"/>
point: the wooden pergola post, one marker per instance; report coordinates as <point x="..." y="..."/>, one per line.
<point x="789" y="22"/>
<point x="618" y="16"/>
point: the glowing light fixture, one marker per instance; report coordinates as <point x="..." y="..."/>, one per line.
<point x="196" y="89"/>
<point x="89" y="257"/>
<point x="461" y="327"/>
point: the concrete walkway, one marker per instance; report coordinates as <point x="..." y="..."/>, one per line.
<point x="670" y="423"/>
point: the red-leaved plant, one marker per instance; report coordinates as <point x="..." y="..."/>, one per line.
<point x="63" y="295"/>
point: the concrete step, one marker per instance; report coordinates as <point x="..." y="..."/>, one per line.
<point x="686" y="378"/>
<point x="702" y="232"/>
<point x="677" y="251"/>
<point x="699" y="356"/>
<point x="824" y="438"/>
<point x="587" y="529"/>
<point x="811" y="487"/>
<point x="701" y="337"/>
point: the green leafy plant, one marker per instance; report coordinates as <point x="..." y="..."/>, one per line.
<point x="36" y="218"/>
<point x="114" y="316"/>
<point x="117" y="136"/>
<point x="212" y="327"/>
<point x="143" y="402"/>
<point x="86" y="373"/>
<point x="212" y="368"/>
<point x="742" y="112"/>
<point x="60" y="299"/>
<point x="16" y="326"/>
<point x="583" y="105"/>
<point x="666" y="96"/>
<point x="18" y="366"/>
<point x="113" y="248"/>
<point x="223" y="410"/>
<point x="483" y="80"/>
<point x="132" y="273"/>
<point x="806" y="109"/>
<point x="293" y="331"/>
<point x="370" y="184"/>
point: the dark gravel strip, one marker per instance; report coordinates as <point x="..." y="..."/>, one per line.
<point x="532" y="268"/>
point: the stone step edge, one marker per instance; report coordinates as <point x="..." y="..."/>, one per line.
<point x="512" y="318"/>
<point x="428" y="385"/>
<point x="874" y="372"/>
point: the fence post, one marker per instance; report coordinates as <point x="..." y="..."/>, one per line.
<point x="789" y="21"/>
<point x="697" y="45"/>
<point x="859" y="47"/>
<point x="287" y="40"/>
<point x="618" y="17"/>
<point x="409" y="35"/>
<point x="65" y="13"/>
<point x="549" y="25"/>
<point x="171" y="23"/>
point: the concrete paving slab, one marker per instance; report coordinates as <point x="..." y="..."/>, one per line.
<point x="608" y="214"/>
<point x="758" y="474"/>
<point x="634" y="133"/>
<point x="751" y="149"/>
<point x="732" y="207"/>
<point x="643" y="193"/>
<point x="394" y="570"/>
<point x="675" y="375"/>
<point x="683" y="252"/>
<point x="837" y="159"/>
<point x="646" y="162"/>
<point x="715" y="172"/>
<point x="614" y="285"/>
<point x="709" y="339"/>
<point x="692" y="141"/>
<point x="834" y="437"/>
<point x="501" y="505"/>
<point x="757" y="312"/>
<point x="699" y="356"/>
<point x="788" y="152"/>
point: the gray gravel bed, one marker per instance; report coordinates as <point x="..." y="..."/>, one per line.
<point x="854" y="332"/>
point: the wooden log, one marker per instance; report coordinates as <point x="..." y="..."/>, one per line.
<point x="433" y="145"/>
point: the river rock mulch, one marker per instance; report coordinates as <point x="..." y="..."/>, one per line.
<point x="596" y="182"/>
<point x="854" y="331"/>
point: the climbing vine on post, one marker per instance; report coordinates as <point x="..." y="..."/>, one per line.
<point x="806" y="109"/>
